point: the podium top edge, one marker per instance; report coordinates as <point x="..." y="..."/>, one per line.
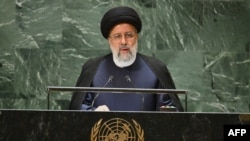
<point x="118" y="90"/>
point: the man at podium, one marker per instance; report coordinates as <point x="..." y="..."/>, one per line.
<point x="124" y="67"/>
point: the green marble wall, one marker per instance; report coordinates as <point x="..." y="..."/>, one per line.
<point x="205" y="44"/>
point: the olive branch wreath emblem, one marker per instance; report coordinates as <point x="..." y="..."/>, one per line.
<point x="95" y="130"/>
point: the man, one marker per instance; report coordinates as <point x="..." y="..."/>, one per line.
<point x="123" y="68"/>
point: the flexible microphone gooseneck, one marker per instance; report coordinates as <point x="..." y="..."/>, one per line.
<point x="111" y="77"/>
<point x="133" y="85"/>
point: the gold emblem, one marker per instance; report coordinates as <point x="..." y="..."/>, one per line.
<point x="117" y="129"/>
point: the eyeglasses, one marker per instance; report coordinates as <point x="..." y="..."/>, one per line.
<point x="127" y="35"/>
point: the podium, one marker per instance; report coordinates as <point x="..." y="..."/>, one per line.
<point x="76" y="125"/>
<point x="46" y="125"/>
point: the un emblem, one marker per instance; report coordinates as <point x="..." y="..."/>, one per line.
<point x="116" y="129"/>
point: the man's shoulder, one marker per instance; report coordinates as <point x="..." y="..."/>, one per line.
<point x="151" y="60"/>
<point x="96" y="59"/>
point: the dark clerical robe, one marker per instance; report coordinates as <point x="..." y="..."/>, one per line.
<point x="145" y="72"/>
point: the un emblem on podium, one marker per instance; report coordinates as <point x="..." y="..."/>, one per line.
<point x="117" y="129"/>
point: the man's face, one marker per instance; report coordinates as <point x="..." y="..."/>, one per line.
<point x="123" y="42"/>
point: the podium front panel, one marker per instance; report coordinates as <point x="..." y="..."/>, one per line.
<point x="33" y="125"/>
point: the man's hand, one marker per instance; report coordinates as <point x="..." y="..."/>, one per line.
<point x="102" y="108"/>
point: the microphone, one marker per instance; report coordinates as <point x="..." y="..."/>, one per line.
<point x="127" y="77"/>
<point x="111" y="77"/>
<point x="129" y="80"/>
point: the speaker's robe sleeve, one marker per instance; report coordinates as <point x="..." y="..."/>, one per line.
<point x="84" y="80"/>
<point x="162" y="73"/>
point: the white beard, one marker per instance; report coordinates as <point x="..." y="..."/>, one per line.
<point x="122" y="62"/>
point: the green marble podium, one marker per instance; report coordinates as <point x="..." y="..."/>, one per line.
<point x="43" y="125"/>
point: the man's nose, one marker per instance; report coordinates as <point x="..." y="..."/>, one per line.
<point x="124" y="40"/>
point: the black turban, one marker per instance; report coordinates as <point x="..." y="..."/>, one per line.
<point x="119" y="15"/>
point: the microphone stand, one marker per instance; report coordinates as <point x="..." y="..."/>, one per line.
<point x="133" y="85"/>
<point x="109" y="80"/>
